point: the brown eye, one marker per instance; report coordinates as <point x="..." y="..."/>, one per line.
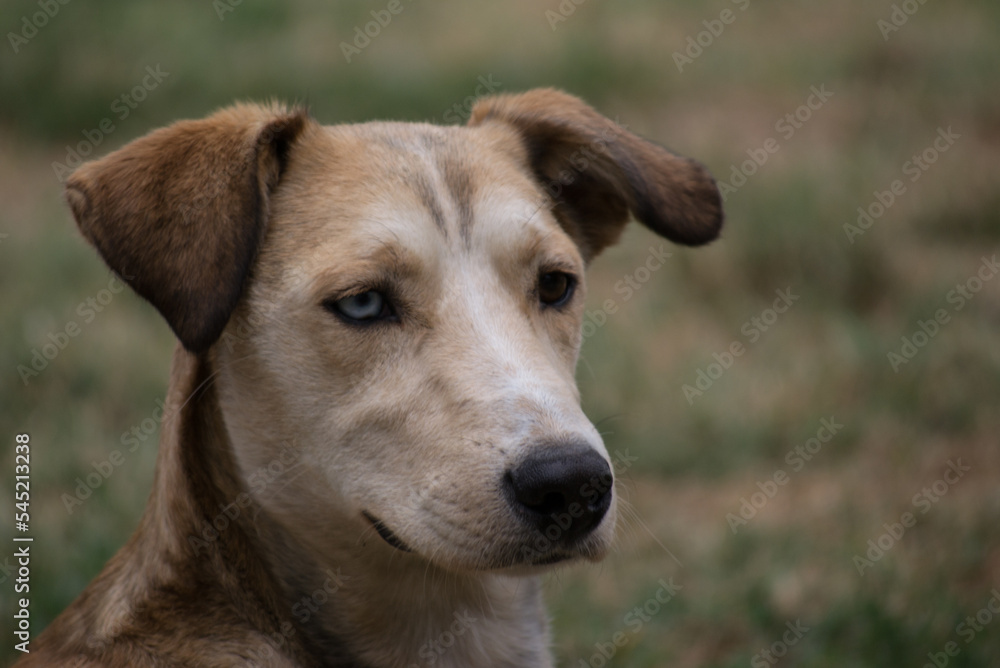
<point x="555" y="288"/>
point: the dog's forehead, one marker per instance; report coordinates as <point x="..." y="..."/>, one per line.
<point x="430" y="191"/>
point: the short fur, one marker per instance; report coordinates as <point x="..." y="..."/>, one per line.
<point x="329" y="493"/>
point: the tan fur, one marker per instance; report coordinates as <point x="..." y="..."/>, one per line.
<point x="296" y="428"/>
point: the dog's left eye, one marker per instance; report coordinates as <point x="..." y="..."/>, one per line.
<point x="555" y="288"/>
<point x="362" y="307"/>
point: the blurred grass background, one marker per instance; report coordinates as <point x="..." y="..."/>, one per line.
<point x="694" y="462"/>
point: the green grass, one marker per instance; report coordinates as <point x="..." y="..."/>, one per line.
<point x="827" y="356"/>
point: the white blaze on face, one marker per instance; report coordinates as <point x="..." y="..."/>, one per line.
<point x="532" y="349"/>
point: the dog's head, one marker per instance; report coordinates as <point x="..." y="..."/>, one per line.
<point x="397" y="308"/>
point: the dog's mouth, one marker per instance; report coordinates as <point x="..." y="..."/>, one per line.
<point x="552" y="559"/>
<point x="542" y="559"/>
<point x="386" y="533"/>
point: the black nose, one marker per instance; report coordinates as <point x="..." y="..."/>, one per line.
<point x="563" y="490"/>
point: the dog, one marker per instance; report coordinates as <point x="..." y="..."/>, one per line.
<point x="373" y="442"/>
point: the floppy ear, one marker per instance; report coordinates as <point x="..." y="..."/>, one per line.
<point x="597" y="172"/>
<point x="179" y="213"/>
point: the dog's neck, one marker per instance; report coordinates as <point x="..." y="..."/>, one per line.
<point x="397" y="610"/>
<point x="359" y="603"/>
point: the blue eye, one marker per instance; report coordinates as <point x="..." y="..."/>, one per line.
<point x="364" y="306"/>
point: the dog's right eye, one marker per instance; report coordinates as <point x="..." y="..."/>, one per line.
<point x="362" y="307"/>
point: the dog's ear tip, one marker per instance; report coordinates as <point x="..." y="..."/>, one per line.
<point x="291" y="124"/>
<point x="292" y="118"/>
<point x="199" y="328"/>
<point x="197" y="343"/>
<point x="678" y="199"/>
<point x="698" y="229"/>
<point x="706" y="215"/>
<point x="706" y="226"/>
<point x="707" y="229"/>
